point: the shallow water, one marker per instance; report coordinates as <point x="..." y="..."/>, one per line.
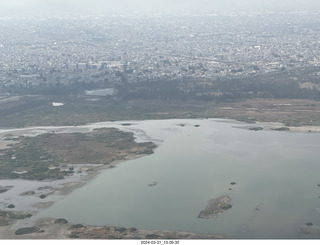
<point x="276" y="175"/>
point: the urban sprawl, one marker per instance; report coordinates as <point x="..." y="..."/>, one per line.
<point x="97" y="52"/>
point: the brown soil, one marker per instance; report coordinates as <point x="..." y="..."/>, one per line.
<point x="52" y="230"/>
<point x="292" y="112"/>
<point x="110" y="232"/>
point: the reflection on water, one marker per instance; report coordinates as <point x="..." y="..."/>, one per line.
<point x="276" y="176"/>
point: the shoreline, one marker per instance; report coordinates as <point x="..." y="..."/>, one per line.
<point x="7" y="232"/>
<point x="78" y="180"/>
<point x="25" y="193"/>
<point x="277" y="126"/>
<point x="53" y="229"/>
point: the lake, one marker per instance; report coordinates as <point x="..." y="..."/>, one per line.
<point x="276" y="175"/>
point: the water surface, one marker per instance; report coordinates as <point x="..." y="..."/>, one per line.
<point x="276" y="175"/>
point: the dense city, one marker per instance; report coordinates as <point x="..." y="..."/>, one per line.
<point x="193" y="55"/>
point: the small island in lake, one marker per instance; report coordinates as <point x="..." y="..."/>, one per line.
<point x="216" y="207"/>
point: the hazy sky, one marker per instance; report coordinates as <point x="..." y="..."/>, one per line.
<point x="44" y="7"/>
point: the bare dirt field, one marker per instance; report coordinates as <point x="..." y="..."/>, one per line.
<point x="34" y="111"/>
<point x="291" y="112"/>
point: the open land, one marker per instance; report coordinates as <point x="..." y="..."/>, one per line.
<point x="290" y="112"/>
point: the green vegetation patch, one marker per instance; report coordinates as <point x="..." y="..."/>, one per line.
<point x="28" y="159"/>
<point x="152" y="236"/>
<point x="27" y="230"/>
<point x="61" y="221"/>
<point x="281" y="129"/>
<point x="11" y="215"/>
<point x="6" y="217"/>
<point x="256" y="128"/>
<point x="45" y="157"/>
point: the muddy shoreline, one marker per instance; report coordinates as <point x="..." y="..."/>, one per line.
<point x="277" y="126"/>
<point x="58" y="189"/>
<point x="58" y="192"/>
<point x="49" y="229"/>
<point x="32" y="196"/>
<point x="55" y="229"/>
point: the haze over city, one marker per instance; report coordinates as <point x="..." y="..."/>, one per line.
<point x="159" y="119"/>
<point x="54" y="7"/>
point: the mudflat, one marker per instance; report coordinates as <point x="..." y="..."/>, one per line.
<point x="68" y="161"/>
